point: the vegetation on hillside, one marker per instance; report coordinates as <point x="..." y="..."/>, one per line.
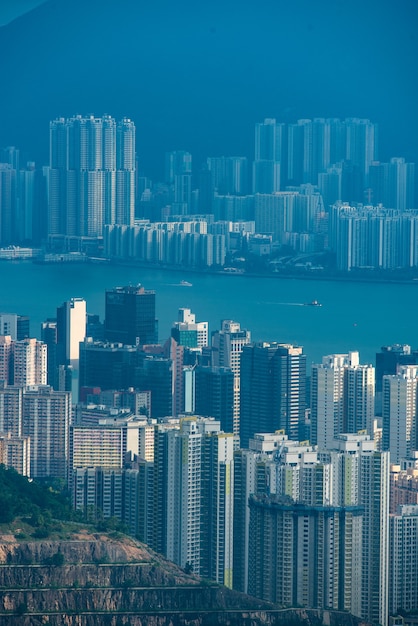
<point x="43" y="509"/>
<point x="20" y="496"/>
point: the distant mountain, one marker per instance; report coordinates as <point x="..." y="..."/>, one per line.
<point x="197" y="76"/>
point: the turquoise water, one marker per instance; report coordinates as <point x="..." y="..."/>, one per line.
<point x="353" y="316"/>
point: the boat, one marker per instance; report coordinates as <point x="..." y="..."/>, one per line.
<point x="185" y="283"/>
<point x="313" y="303"/>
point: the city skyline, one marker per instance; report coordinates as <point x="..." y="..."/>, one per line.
<point x="236" y="143"/>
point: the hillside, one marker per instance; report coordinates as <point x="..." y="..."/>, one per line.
<point x="94" y="579"/>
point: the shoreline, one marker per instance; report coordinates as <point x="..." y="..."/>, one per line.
<point x="319" y="275"/>
<point x="322" y="275"/>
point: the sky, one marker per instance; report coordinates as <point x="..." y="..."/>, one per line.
<point x="198" y="76"/>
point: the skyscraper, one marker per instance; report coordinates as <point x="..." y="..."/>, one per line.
<point x="11" y="398"/>
<point x="303" y="555"/>
<point x="269" y="156"/>
<point x="29" y="356"/>
<point x="71" y="330"/>
<point x="229" y="175"/>
<point x="108" y="365"/>
<point x="187" y="332"/>
<point x="214" y="394"/>
<point x="194" y="495"/>
<point x="22" y="362"/>
<point x="46" y="420"/>
<point x="7" y="204"/>
<point x="130" y="316"/>
<point x="342" y="397"/>
<point x="227" y="346"/>
<point x="273" y="390"/>
<point x="403" y="559"/>
<point x="387" y="362"/>
<point x="178" y="173"/>
<point x="362" y="478"/>
<point x="399" y="411"/>
<point x="91" y="175"/>
<point x="319" y="525"/>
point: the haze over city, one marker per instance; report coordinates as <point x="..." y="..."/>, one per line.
<point x="198" y="77"/>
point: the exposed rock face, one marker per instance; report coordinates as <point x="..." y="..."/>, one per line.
<point x="96" y="581"/>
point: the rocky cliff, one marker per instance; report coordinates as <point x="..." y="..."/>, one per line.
<point x="94" y="580"/>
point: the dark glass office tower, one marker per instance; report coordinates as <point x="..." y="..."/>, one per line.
<point x="130" y="316"/>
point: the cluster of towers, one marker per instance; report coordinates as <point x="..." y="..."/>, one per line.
<point x="91" y="175"/>
<point x="231" y="457"/>
<point x="313" y="185"/>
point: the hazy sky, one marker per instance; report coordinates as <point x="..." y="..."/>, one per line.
<point x="199" y="75"/>
<point x="10" y="9"/>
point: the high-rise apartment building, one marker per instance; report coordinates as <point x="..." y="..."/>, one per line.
<point x="361" y="143"/>
<point x="91" y="175"/>
<point x="29" y="362"/>
<point x="49" y="337"/>
<point x="403" y="560"/>
<point x="282" y="213"/>
<point x="318" y="533"/>
<point x="251" y="475"/>
<point x="342" y="397"/>
<point x="399" y="413"/>
<point x="11" y="398"/>
<point x="15" y="453"/>
<point x="7" y="204"/>
<point x="178" y="174"/>
<point x="6" y="362"/>
<point x="22" y="200"/>
<point x="23" y="362"/>
<point x="227" y="346"/>
<point x="193" y="468"/>
<point x="361" y="477"/>
<point x="304" y="555"/>
<point x="229" y="175"/>
<point x="269" y="156"/>
<point x="387" y="362"/>
<point x="130" y="316"/>
<point x="373" y="237"/>
<point x="99" y="489"/>
<point x="393" y="184"/>
<point x="46" y="420"/>
<point x="100" y="446"/>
